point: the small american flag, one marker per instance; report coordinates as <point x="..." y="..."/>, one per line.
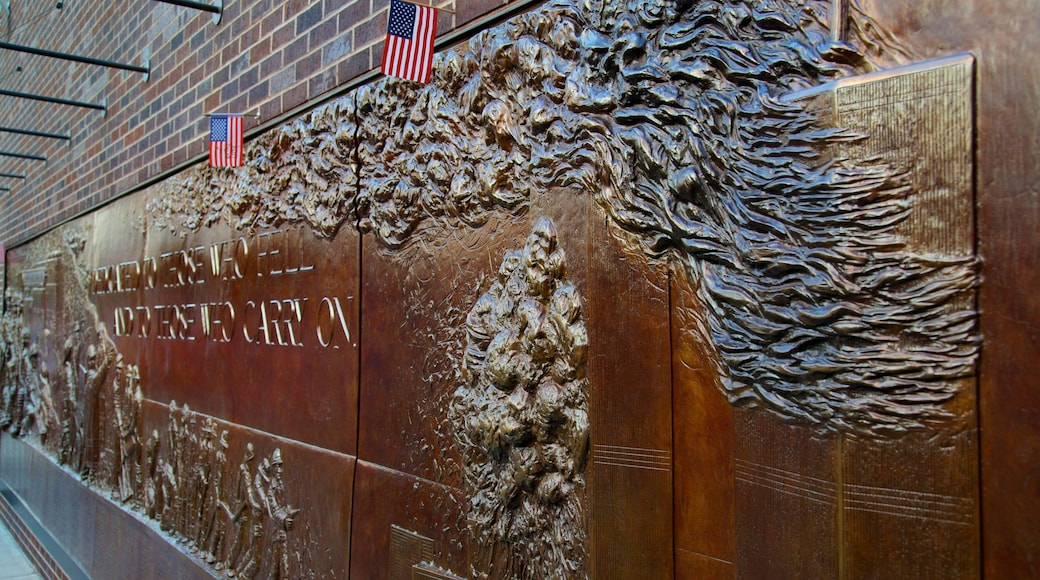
<point x="225" y="141"/>
<point x="408" y="52"/>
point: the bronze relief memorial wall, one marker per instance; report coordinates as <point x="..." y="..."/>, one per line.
<point x="645" y="289"/>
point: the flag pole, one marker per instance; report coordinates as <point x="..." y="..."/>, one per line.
<point x="448" y="10"/>
<point x="839" y="20"/>
<point x="256" y="115"/>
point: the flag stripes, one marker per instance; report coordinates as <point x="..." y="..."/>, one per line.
<point x="408" y="52"/>
<point x="225" y="141"/>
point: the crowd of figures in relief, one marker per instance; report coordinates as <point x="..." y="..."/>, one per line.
<point x="232" y="512"/>
<point x="673" y="117"/>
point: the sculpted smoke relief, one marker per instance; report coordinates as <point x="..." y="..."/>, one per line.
<point x="676" y="117"/>
<point x="521" y="418"/>
<point x="302" y="172"/>
<point x="689" y="125"/>
<point x="817" y="308"/>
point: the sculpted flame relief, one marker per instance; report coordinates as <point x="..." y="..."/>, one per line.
<point x="521" y="417"/>
<point x="675" y="117"/>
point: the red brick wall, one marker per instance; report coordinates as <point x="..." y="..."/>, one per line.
<point x="265" y="56"/>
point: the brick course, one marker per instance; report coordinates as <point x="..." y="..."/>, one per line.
<point x="266" y="56"/>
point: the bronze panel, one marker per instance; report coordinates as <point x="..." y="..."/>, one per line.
<point x="704" y="445"/>
<point x="786" y="499"/>
<point x="415" y="304"/>
<point x="278" y="308"/>
<point x="905" y="498"/>
<point x="630" y="412"/>
<point x="919" y="119"/>
<point x="427" y="295"/>
<point x="399" y="517"/>
<point x="223" y="480"/>
<point x="1007" y="215"/>
<point x="917" y="494"/>
<point x="596" y="233"/>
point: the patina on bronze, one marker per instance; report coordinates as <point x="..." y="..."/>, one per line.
<point x="381" y="296"/>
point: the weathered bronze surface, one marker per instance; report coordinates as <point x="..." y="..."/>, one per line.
<point x="521" y="416"/>
<point x="685" y="125"/>
<point x="270" y="305"/>
<point x="657" y="289"/>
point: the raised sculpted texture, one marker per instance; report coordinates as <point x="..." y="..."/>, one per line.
<point x="237" y="518"/>
<point x="817" y="309"/>
<point x="675" y="117"/>
<point x="302" y="172"/>
<point x="88" y="417"/>
<point x="688" y="125"/>
<point x="521" y="417"/>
